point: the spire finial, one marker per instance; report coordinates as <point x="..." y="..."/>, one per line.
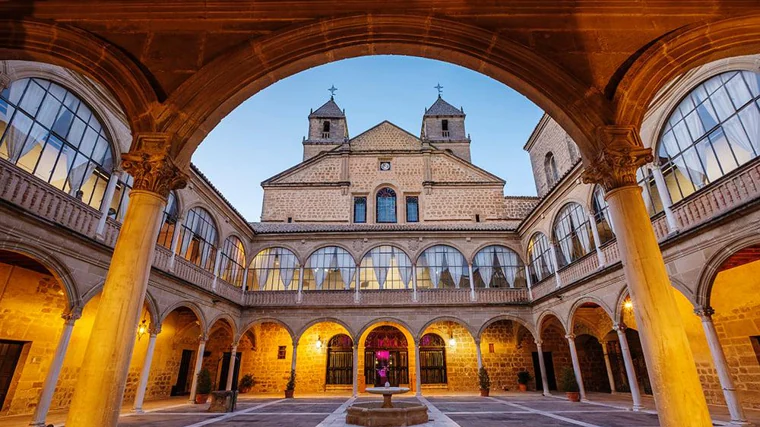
<point x="332" y="91"/>
<point x="440" y="89"/>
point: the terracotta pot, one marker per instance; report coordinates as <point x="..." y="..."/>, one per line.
<point x="200" y="398"/>
<point x="244" y="390"/>
<point x="289" y="394"/>
<point x="573" y="396"/>
<point x="484" y="392"/>
<point x="523" y="387"/>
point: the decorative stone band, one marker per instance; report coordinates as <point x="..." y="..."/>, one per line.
<point x="621" y="155"/>
<point x="704" y="312"/>
<point x="152" y="167"/>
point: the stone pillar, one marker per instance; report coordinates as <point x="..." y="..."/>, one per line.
<point x="608" y="366"/>
<point x="299" y="296"/>
<point x="245" y="279"/>
<point x="105" y="205"/>
<point x="414" y="282"/>
<point x="295" y="353"/>
<point x="417" y="368"/>
<point x="51" y="379"/>
<point x="480" y="353"/>
<point x="472" y="283"/>
<point x="145" y="373"/>
<point x="677" y="391"/>
<point x="542" y="367"/>
<point x="553" y="254"/>
<point x="721" y="367"/>
<point x="597" y="241"/>
<point x="197" y="369"/>
<point x="529" y="280"/>
<point x="667" y="202"/>
<point x="175" y="242"/>
<point x="630" y="371"/>
<point x="355" y="368"/>
<point x="357" y="285"/>
<point x="576" y="366"/>
<point x="231" y="370"/>
<point x="217" y="261"/>
<point x="100" y="388"/>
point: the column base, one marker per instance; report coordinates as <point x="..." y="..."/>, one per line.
<point x="37" y="424"/>
<point x="585" y="400"/>
<point x="739" y="423"/>
<point x="138" y="410"/>
<point x="637" y="408"/>
<point x="547" y="394"/>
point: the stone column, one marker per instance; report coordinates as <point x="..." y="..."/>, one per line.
<point x="299" y="296"/>
<point x="576" y="366"/>
<point x="217" y="261"/>
<point x="553" y="254"/>
<point x="630" y="371"/>
<point x="100" y="388"/>
<point x="721" y="367"/>
<point x="145" y="373"/>
<point x="472" y="283"/>
<point x="479" y="351"/>
<point x="51" y="379"/>
<point x="529" y="280"/>
<point x="417" y="368"/>
<point x="197" y="369"/>
<point x="414" y="282"/>
<point x="295" y="353"/>
<point x="542" y="367"/>
<point x="175" y="242"/>
<point x="608" y="366"/>
<point x="595" y="232"/>
<point x="355" y="368"/>
<point x="231" y="370"/>
<point x="105" y="205"/>
<point x="357" y="285"/>
<point x="667" y="202"/>
<point x="245" y="279"/>
<point x="677" y="390"/>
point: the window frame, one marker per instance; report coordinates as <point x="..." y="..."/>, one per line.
<point x="393" y="197"/>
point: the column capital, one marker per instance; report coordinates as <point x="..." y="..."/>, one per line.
<point x="619" y="327"/>
<point x="570" y="337"/>
<point x="704" y="312"/>
<point x="202" y="338"/>
<point x="538" y="342"/>
<point x="151" y="165"/>
<point x="234" y="345"/>
<point x="621" y="154"/>
<point x="71" y="316"/>
<point x="154" y="329"/>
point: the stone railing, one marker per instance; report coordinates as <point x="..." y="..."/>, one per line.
<point x="611" y="253"/>
<point x="660" y="226"/>
<point x="270" y="298"/>
<point x="111" y="232"/>
<point x="328" y="298"/>
<point x="502" y="296"/>
<point x="544" y="287"/>
<point x="580" y="268"/>
<point x="192" y="273"/>
<point x="228" y="290"/>
<point x="444" y="296"/>
<point x="162" y="258"/>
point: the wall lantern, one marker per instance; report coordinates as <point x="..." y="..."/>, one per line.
<point x="628" y="304"/>
<point x="319" y="343"/>
<point x="452" y="342"/>
<point x="142" y="329"/>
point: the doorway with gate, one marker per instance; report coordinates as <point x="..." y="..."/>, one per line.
<point x="386" y="357"/>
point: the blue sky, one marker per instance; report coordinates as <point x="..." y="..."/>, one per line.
<point x="262" y="137"/>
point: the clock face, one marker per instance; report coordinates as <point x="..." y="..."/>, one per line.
<point x="385" y="166"/>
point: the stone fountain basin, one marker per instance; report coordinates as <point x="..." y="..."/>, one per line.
<point x="372" y="414"/>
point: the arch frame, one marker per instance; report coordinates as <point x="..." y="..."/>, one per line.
<point x="503" y="244"/>
<point x="281" y="245"/>
<point x="195" y="308"/>
<point x="380" y="321"/>
<point x="511" y="317"/>
<point x="376" y="245"/>
<point x="584" y="300"/>
<point x="326" y="319"/>
<point x="542" y="319"/>
<point x="329" y="245"/>
<point x="226" y="317"/>
<point x="710" y="271"/>
<point x="445" y="318"/>
<point x="450" y="244"/>
<point x="246" y="327"/>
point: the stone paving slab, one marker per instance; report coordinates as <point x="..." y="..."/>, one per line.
<point x="510" y="420"/>
<point x="162" y="420"/>
<point x="616" y="419"/>
<point x="271" y="421"/>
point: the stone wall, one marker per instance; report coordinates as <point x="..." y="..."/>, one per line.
<point x="513" y="348"/>
<point x="516" y="207"/>
<point x="463" y="203"/>
<point x="260" y="360"/>
<point x="461" y="358"/>
<point x="313" y="204"/>
<point x="550" y="137"/>
<point x="554" y="342"/>
<point x="311" y="362"/>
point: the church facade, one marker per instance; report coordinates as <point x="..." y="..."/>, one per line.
<point x="384" y="255"/>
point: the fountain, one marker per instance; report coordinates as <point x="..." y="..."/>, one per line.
<point x="374" y="414"/>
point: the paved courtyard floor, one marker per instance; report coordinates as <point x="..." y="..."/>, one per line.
<point x="445" y="410"/>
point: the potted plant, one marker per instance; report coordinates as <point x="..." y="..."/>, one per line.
<point x="246" y="383"/>
<point x="522" y="380"/>
<point x="570" y="385"/>
<point x="485" y="382"/>
<point x="291" y="385"/>
<point x="204" y="386"/>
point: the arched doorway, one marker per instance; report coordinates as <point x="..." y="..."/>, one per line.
<point x="340" y="360"/>
<point x="386" y="357"/>
<point x="432" y="359"/>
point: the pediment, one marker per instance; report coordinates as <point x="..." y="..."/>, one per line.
<point x="385" y="137"/>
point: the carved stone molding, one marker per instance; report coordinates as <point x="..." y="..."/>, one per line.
<point x="704" y="312"/>
<point x="152" y="167"/>
<point x="621" y="155"/>
<point x="71" y="316"/>
<point x="619" y="327"/>
<point x="5" y="80"/>
<point x="154" y="329"/>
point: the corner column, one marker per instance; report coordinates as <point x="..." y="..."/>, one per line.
<point x="231" y="370"/>
<point x="608" y="366"/>
<point x="355" y="368"/>
<point x="197" y="369"/>
<point x="677" y="390"/>
<point x="630" y="371"/>
<point x="721" y="366"/>
<point x="472" y="282"/>
<point x="542" y="367"/>
<point x="103" y="374"/>
<point x="295" y="353"/>
<point x="479" y="353"/>
<point x="576" y="366"/>
<point x="51" y="379"/>
<point x="145" y="373"/>
<point x="417" y="368"/>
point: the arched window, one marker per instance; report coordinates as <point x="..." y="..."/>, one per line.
<point x="572" y="234"/>
<point x="326" y="127"/>
<point x="232" y="264"/>
<point x="386" y="205"/>
<point x="385" y="267"/>
<point x="120" y="200"/>
<point x="330" y="268"/>
<point x="340" y="360"/>
<point x="649" y="192"/>
<point x="442" y="266"/>
<point x="550" y="169"/>
<point x="198" y="239"/>
<point x="714" y="130"/>
<point x="432" y="359"/>
<point x="169" y="223"/>
<point x="274" y="269"/>
<point x="498" y="267"/>
<point x="49" y="132"/>
<point x="540" y="256"/>
<point x="602" y="216"/>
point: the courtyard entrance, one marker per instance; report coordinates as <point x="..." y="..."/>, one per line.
<point x="386" y="357"/>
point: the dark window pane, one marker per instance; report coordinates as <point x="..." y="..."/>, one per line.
<point x="412" y="209"/>
<point x="360" y="209"/>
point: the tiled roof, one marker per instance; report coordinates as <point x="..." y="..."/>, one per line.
<point x="282" y="227"/>
<point x="443" y="108"/>
<point x="330" y="110"/>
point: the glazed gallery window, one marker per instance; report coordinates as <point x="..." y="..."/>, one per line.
<point x="330" y="268"/>
<point x="385" y="267"/>
<point x="386" y="205"/>
<point x="232" y="263"/>
<point x="602" y="218"/>
<point x="714" y="130"/>
<point x="540" y="257"/>
<point x="498" y="267"/>
<point x="572" y="234"/>
<point x="649" y="192"/>
<point x="274" y="269"/>
<point x="442" y="266"/>
<point x="360" y="210"/>
<point x="49" y="132"/>
<point x="198" y="239"/>
<point x="169" y="223"/>
<point x="412" y="209"/>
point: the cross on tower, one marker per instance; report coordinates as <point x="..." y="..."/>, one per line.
<point x="332" y="91"/>
<point x="440" y="88"/>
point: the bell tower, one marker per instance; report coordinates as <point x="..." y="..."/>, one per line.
<point x="443" y="126"/>
<point x="327" y="128"/>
